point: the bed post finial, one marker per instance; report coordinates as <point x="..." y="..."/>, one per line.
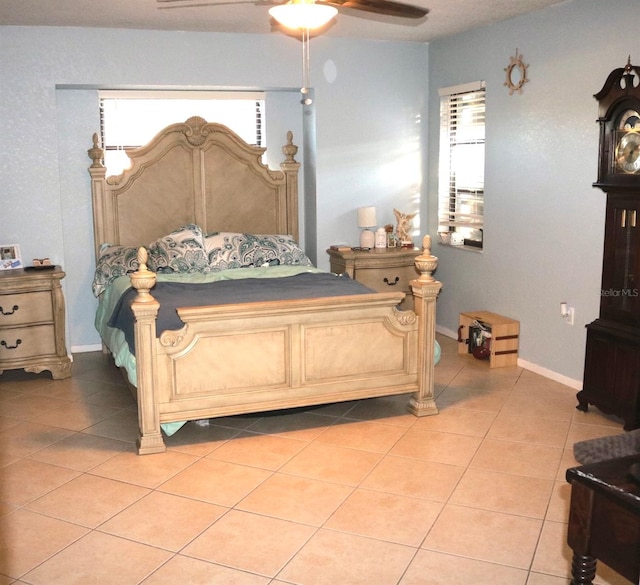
<point x="426" y="263"/>
<point x="96" y="154"/>
<point x="290" y="149"/>
<point x="143" y="280"/>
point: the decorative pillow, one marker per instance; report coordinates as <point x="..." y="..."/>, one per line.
<point x="181" y="251"/>
<point x="113" y="261"/>
<point x="238" y="250"/>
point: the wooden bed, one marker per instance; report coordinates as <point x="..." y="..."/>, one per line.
<point x="303" y="352"/>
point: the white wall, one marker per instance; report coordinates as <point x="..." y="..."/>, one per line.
<point x="367" y="128"/>
<point x="544" y="221"/>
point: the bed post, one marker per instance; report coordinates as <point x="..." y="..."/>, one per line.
<point x="145" y="310"/>
<point x="290" y="168"/>
<point x="425" y="292"/>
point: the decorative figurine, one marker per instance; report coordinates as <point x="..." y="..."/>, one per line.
<point x="404" y="225"/>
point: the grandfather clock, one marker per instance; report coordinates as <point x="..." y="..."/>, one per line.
<point x="612" y="361"/>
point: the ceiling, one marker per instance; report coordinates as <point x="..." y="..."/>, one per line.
<point x="446" y="17"/>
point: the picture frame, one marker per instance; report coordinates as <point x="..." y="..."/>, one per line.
<point x="10" y="257"/>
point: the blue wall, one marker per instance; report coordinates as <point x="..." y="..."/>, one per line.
<point x="544" y="221"/>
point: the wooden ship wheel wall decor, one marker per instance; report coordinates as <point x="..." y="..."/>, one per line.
<point x="612" y="361"/>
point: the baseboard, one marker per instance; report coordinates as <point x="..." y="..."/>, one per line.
<point x="536" y="369"/>
<point x="85" y="348"/>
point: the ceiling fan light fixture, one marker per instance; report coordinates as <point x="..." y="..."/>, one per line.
<point x="303" y="15"/>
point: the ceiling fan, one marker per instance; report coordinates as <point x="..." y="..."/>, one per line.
<point x="304" y="16"/>
<point x="384" y="7"/>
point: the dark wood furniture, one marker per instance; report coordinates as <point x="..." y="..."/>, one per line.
<point x="382" y="269"/>
<point x="612" y="362"/>
<point x="32" y="322"/>
<point x="604" y="519"/>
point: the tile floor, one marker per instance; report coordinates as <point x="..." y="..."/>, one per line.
<point x="346" y="494"/>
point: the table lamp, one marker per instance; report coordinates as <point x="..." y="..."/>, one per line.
<point x="366" y="220"/>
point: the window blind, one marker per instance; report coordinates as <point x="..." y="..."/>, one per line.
<point x="129" y="119"/>
<point x="462" y="153"/>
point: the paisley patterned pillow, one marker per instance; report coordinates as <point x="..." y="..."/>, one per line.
<point x="237" y="250"/>
<point x="181" y="251"/>
<point x="113" y="261"/>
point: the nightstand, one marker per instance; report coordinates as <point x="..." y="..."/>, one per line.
<point x="32" y="326"/>
<point x="382" y="269"/>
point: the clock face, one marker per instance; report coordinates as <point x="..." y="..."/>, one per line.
<point x="628" y="153"/>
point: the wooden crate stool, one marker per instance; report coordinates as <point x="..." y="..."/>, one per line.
<point x="505" y="333"/>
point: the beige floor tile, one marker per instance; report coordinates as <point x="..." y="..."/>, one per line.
<point x="185" y="570"/>
<point x="319" y="497"/>
<point x="25" y="480"/>
<point x="594" y="416"/>
<point x="541" y="579"/>
<point x="442" y="569"/>
<point x="7" y="422"/>
<point x="559" y="503"/>
<point x="334" y="557"/>
<point x="332" y="464"/>
<point x="298" y="499"/>
<point x="250" y="542"/>
<point x="199" y="439"/>
<point x="527" y="429"/>
<point x="26" y="437"/>
<point x="391" y="410"/>
<point x="494" y="537"/>
<point x="27" y="539"/>
<point x="567" y="461"/>
<point x="414" y="478"/>
<point x="293" y="425"/>
<point x="537" y="402"/>
<point x="553" y="555"/>
<point x="450" y="448"/>
<point x="147" y="471"/>
<point x="88" y="500"/>
<point x="459" y="421"/>
<point x="80" y="451"/>
<point x="386" y="517"/>
<point x="257" y="450"/>
<point x="489" y="400"/>
<point x="114" y="395"/>
<point x="216" y="482"/>
<point x="583" y="432"/>
<point x="29" y="406"/>
<point x="123" y="425"/>
<point x="518" y="458"/>
<point x="99" y="559"/>
<point x="163" y="520"/>
<point x="76" y="416"/>
<point x="367" y="436"/>
<point x="501" y="492"/>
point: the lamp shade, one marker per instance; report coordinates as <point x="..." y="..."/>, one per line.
<point x="367" y="217"/>
<point x="301" y="14"/>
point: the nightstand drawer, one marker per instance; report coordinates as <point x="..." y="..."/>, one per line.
<point x="387" y="279"/>
<point x="23" y="342"/>
<point x="24" y="308"/>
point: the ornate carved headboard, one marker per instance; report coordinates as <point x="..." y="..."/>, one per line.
<point x="193" y="172"/>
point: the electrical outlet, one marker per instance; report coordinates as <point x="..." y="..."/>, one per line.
<point x="571" y="314"/>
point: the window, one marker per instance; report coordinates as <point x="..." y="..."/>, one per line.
<point x="461" y="172"/>
<point x="132" y="118"/>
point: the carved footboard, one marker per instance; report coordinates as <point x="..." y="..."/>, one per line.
<point x="254" y="357"/>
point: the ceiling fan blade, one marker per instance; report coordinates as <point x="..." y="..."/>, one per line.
<point x="387" y="7"/>
<point x="191" y="4"/>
